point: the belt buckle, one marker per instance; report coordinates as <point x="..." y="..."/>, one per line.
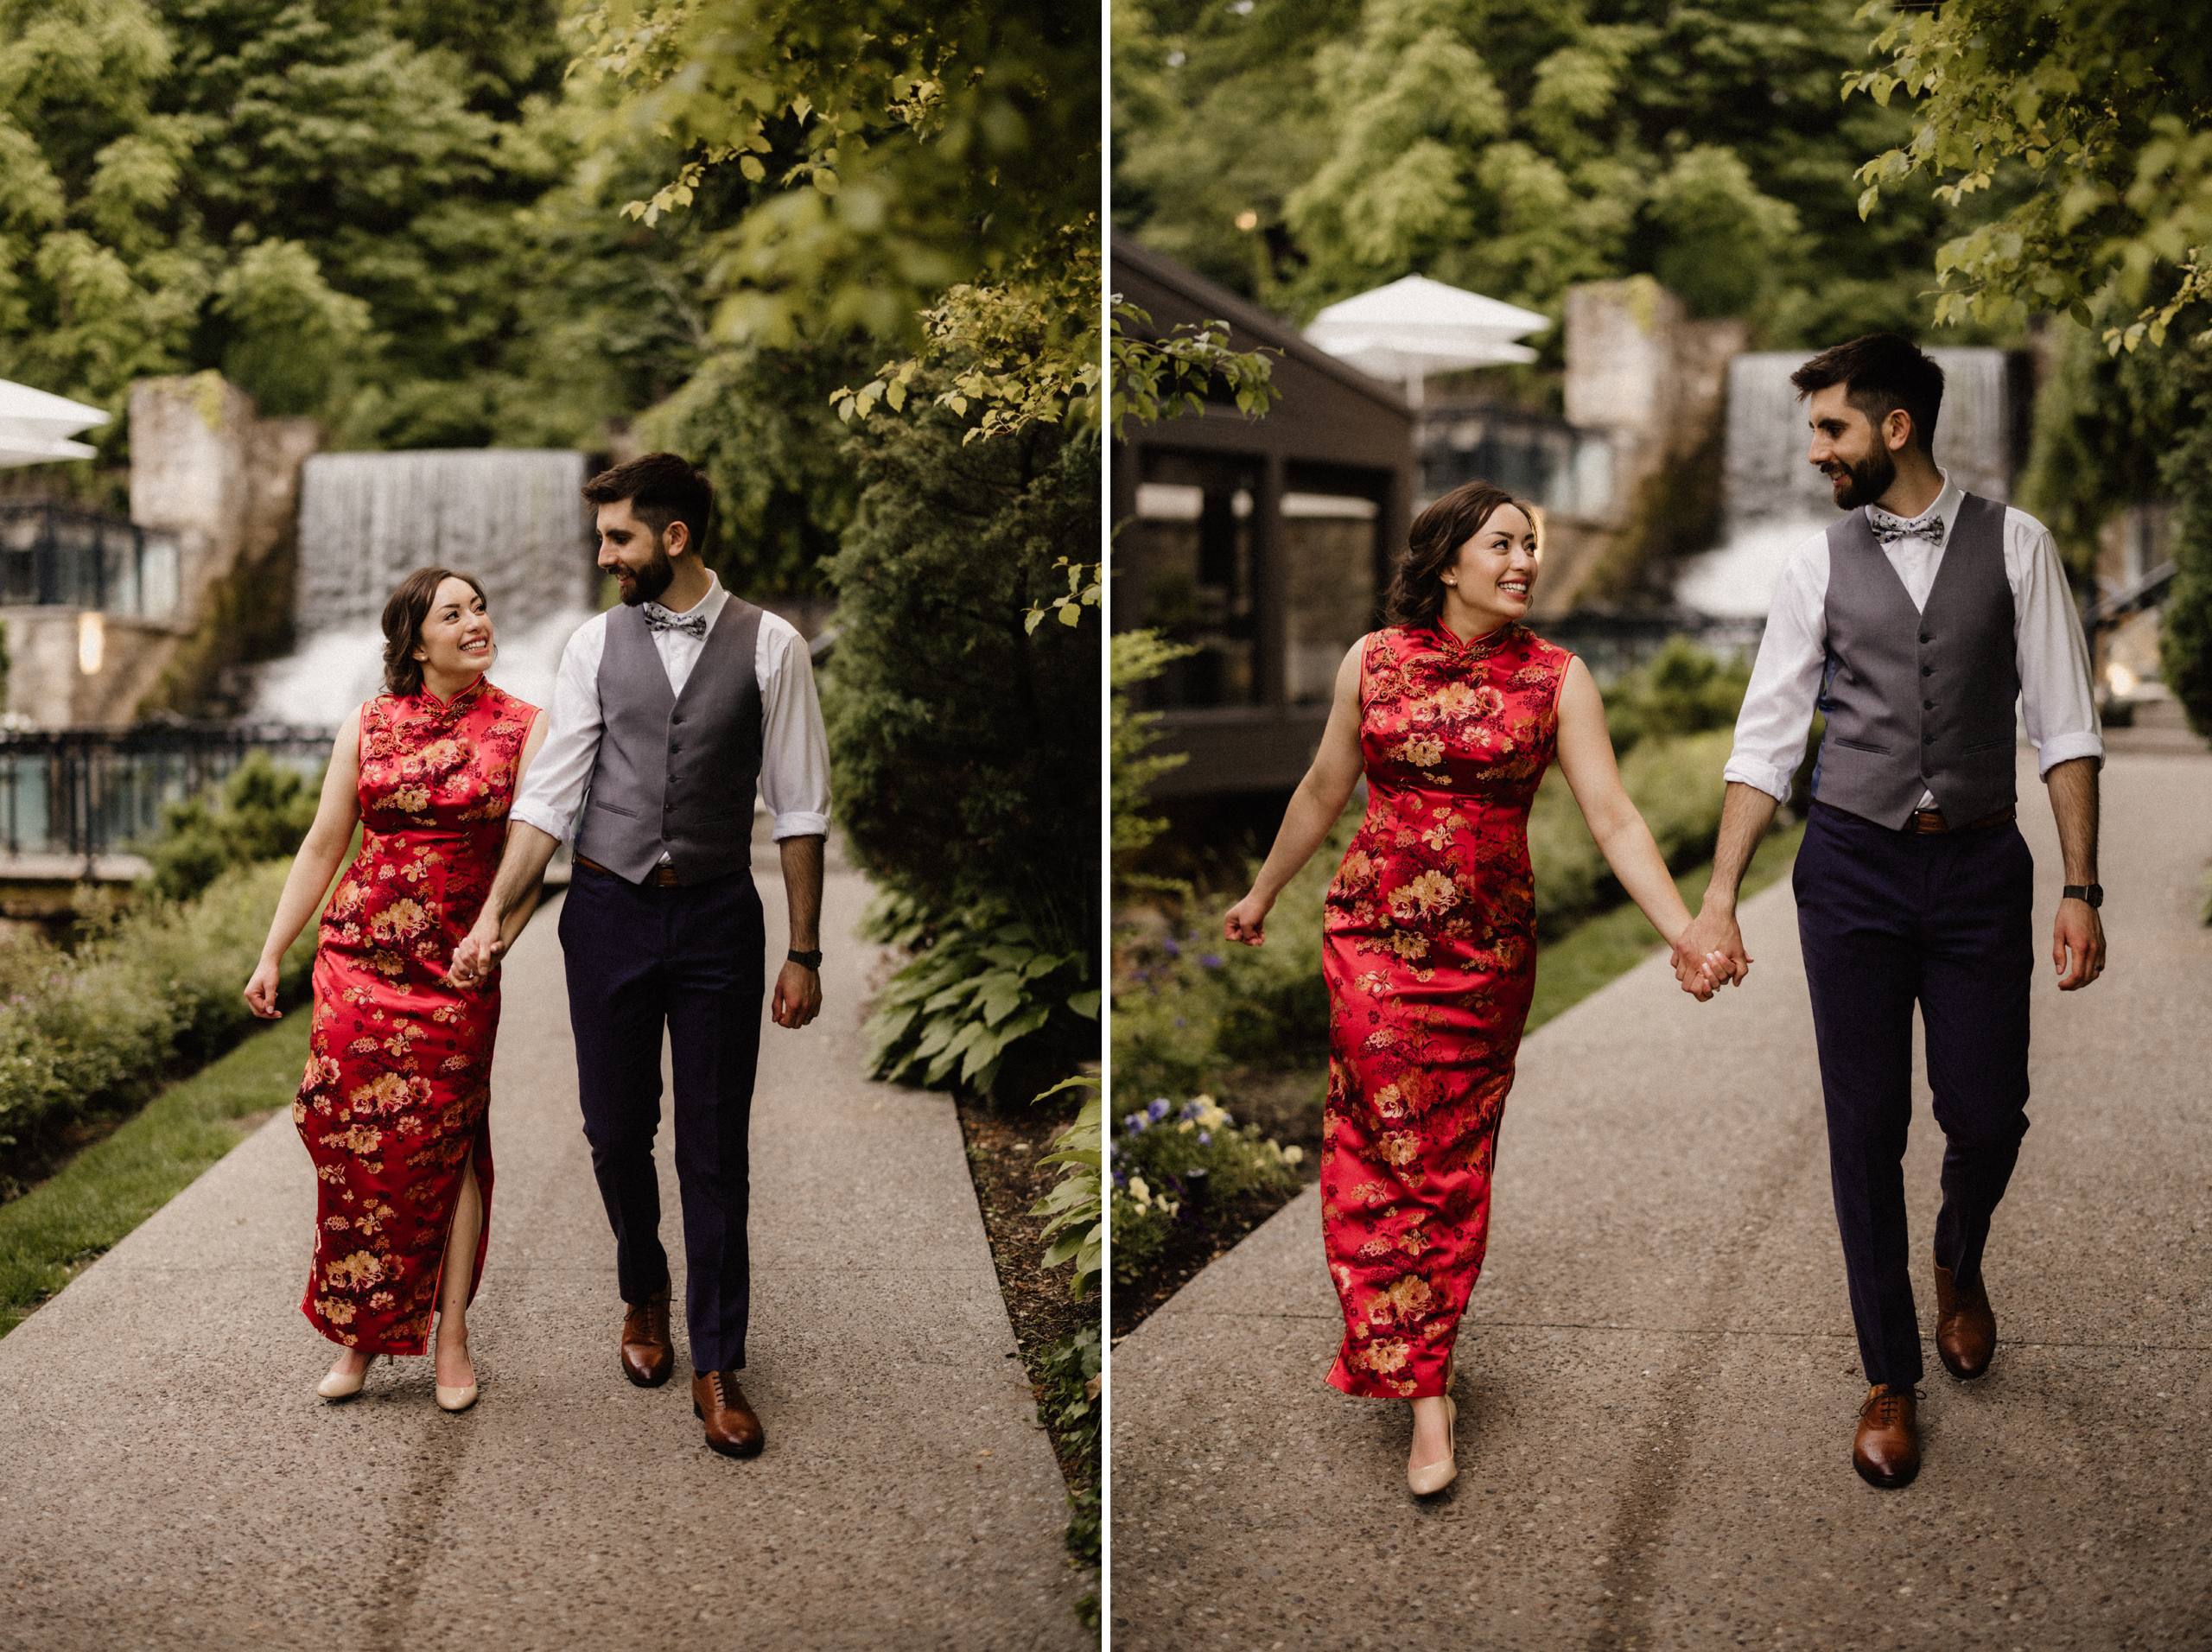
<point x="664" y="877"/>
<point x="1928" y="820"/>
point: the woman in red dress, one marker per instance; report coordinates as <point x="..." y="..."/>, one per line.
<point x="1453" y="714"/>
<point x="399" y="1061"/>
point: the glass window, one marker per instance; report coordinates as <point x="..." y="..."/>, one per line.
<point x="1329" y="544"/>
<point x="1189" y="562"/>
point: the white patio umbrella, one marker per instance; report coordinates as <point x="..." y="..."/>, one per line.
<point x="36" y="427"/>
<point x="1415" y="326"/>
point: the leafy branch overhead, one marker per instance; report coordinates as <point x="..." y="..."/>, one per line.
<point x="2102" y="105"/>
<point x="1158" y="376"/>
<point x="909" y="145"/>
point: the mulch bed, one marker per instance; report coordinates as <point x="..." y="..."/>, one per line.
<point x="1003" y="1146"/>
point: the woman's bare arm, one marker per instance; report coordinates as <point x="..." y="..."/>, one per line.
<point x="1586" y="757"/>
<point x="1315" y="807"/>
<point x="518" y="915"/>
<point x="322" y="852"/>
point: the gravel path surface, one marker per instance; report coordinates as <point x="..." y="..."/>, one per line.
<point x="169" y="1480"/>
<point x="1657" y="1381"/>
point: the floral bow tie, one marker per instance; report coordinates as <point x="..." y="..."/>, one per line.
<point x="1889" y="529"/>
<point x="659" y="619"/>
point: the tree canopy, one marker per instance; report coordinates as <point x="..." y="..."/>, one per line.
<point x="1302" y="150"/>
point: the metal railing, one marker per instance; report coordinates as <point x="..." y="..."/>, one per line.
<point x="56" y="554"/>
<point x="84" y="793"/>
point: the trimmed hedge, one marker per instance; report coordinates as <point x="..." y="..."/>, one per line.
<point x="151" y="992"/>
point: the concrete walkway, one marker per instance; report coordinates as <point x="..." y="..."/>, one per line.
<point x="1657" y="1378"/>
<point x="168" y="1479"/>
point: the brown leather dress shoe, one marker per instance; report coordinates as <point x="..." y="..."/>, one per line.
<point x="1887" y="1452"/>
<point x="732" y="1429"/>
<point x="1966" y="1329"/>
<point x="647" y="1355"/>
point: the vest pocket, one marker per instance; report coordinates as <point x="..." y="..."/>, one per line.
<point x="1860" y="746"/>
<point x="614" y="807"/>
<point x="1986" y="746"/>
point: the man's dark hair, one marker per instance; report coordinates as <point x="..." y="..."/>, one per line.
<point x="1880" y="372"/>
<point x="662" y="488"/>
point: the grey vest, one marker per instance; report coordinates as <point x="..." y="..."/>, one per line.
<point x="1919" y="702"/>
<point x="675" y="773"/>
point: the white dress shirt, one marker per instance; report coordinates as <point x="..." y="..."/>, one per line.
<point x="2049" y="650"/>
<point x="794" y="751"/>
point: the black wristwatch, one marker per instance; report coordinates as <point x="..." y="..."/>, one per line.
<point x="811" y="960"/>
<point x="2092" y="892"/>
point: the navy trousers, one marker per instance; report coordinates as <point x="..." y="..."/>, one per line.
<point x="1887" y="919"/>
<point x="690" y="959"/>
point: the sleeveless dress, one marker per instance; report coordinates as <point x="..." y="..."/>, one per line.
<point x="399" y="1064"/>
<point x="1429" y="950"/>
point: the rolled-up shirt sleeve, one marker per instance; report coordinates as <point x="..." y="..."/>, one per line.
<point x="2057" y="704"/>
<point x="1785" y="682"/>
<point x="553" y="790"/>
<point x="794" y="748"/>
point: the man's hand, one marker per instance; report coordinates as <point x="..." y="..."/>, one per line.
<point x="478" y="955"/>
<point x="799" y="995"/>
<point x="2078" y="945"/>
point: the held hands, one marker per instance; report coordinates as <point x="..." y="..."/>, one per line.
<point x="261" y="991"/>
<point x="799" y="995"/>
<point x="1709" y="955"/>
<point x="2077" y="945"/>
<point x="1246" y="921"/>
<point x="476" y="956"/>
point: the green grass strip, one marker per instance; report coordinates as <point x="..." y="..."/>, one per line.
<point x="60" y="1227"/>
<point x="1612" y="943"/>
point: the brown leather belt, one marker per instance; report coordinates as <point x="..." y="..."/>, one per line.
<point x="1931" y="820"/>
<point x="663" y="876"/>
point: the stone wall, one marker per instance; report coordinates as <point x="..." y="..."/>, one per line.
<point x="1639" y="369"/>
<point x="225" y="482"/>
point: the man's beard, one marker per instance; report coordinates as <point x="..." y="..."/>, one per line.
<point x="1870" y="479"/>
<point x="648" y="582"/>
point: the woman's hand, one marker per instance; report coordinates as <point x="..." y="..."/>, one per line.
<point x="1246" y="921"/>
<point x="261" y="991"/>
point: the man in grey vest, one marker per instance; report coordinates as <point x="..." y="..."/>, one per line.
<point x="1913" y="622"/>
<point x="669" y="712"/>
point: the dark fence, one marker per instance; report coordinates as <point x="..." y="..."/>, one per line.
<point x="84" y="793"/>
<point x="52" y="553"/>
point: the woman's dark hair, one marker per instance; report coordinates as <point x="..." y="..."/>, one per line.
<point x="1880" y="372"/>
<point x="1417" y="587"/>
<point x="404" y="611"/>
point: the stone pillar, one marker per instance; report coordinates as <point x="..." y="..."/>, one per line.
<point x="1655" y="382"/>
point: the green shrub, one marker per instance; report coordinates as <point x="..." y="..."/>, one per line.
<point x="1075" y="1204"/>
<point x="1682" y="690"/>
<point x="151" y="993"/>
<point x="259" y="813"/>
<point x="1166" y="1158"/>
<point x="980" y="983"/>
<point x="1071" y="1409"/>
<point x="966" y="745"/>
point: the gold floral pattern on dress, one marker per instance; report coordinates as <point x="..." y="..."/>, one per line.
<point x="398" y="1074"/>
<point x="1429" y="953"/>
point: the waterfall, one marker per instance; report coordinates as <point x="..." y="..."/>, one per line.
<point x="512" y="517"/>
<point x="1773" y="499"/>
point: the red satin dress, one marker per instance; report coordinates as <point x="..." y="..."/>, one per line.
<point x="1429" y="950"/>
<point x="399" y="1064"/>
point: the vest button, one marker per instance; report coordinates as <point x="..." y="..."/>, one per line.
<point x="1928" y="670"/>
<point x="1927" y="705"/>
<point x="1928" y="740"/>
<point x="1925" y="638"/>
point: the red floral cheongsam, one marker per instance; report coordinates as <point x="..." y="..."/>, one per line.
<point x="399" y="1064"/>
<point x="1429" y="950"/>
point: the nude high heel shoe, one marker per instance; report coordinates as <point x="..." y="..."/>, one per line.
<point x="457" y="1399"/>
<point x="1429" y="1481"/>
<point x="339" y="1386"/>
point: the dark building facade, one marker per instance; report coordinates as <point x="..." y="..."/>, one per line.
<point x="1264" y="543"/>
